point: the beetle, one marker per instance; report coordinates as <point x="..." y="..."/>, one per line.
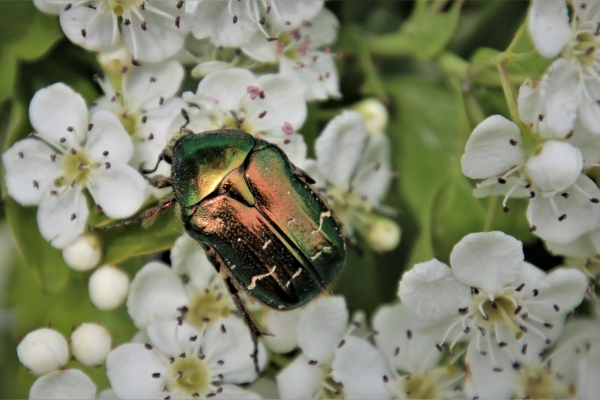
<point x="266" y="231"/>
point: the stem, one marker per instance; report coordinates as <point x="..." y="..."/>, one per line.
<point x="508" y="93"/>
<point x="279" y="360"/>
<point x="490" y="212"/>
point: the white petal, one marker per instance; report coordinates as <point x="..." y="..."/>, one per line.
<point x="145" y="86"/>
<point x="228" y="339"/>
<point x="290" y="14"/>
<point x="361" y="369"/>
<point x="299" y="379"/>
<point x="560" y="100"/>
<point x="406" y="347"/>
<point x="188" y="258"/>
<point x="68" y="384"/>
<point x="486" y="383"/>
<point x="283" y="327"/>
<point x="549" y="26"/>
<point x="555" y="168"/>
<point x="55" y="109"/>
<point x="161" y="39"/>
<point x="260" y="49"/>
<point x="171" y="338"/>
<point x="311" y="167"/>
<point x="282" y="101"/>
<point x="589" y="384"/>
<point x="563" y="287"/>
<point x="431" y="291"/>
<point x="228" y="87"/>
<point x="89" y="27"/>
<point x="586" y="10"/>
<point x="493" y="148"/>
<point x="529" y="101"/>
<point x="207" y="67"/>
<point x="489" y="260"/>
<point x="90" y="344"/>
<point x="582" y="215"/>
<point x="293" y="145"/>
<point x="374" y="173"/>
<point x="321" y="325"/>
<point x="62" y="218"/>
<point x="589" y="111"/>
<point x="322" y="30"/>
<point x="108" y="134"/>
<point x="119" y="190"/>
<point x="580" y="247"/>
<point x="51" y="6"/>
<point x="43" y="351"/>
<point x="340" y="146"/>
<point x="84" y="253"/>
<point x="235" y="392"/>
<point x="212" y="20"/>
<point x="129" y="369"/>
<point x="530" y="275"/>
<point x="156" y="292"/>
<point x="315" y="73"/>
<point x="586" y="141"/>
<point x="30" y="179"/>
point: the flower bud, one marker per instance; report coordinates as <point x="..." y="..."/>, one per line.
<point x="556" y="167"/>
<point x="43" y="351"/>
<point x="381" y="233"/>
<point x="108" y="287"/>
<point x="90" y="344"/>
<point x="374" y="113"/>
<point x="84" y="253"/>
<point x="114" y="61"/>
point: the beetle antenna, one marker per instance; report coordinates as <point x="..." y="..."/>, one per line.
<point x="238" y="123"/>
<point x="139" y="218"/>
<point x="149" y="171"/>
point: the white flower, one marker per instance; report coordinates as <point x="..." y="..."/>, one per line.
<point x="43" y="351"/>
<point x="333" y="363"/>
<point x="353" y="170"/>
<point x="303" y="54"/>
<point x="374" y="113"/>
<point x="108" y="287"/>
<point x="147" y="108"/>
<point x="68" y="153"/>
<point x="65" y="384"/>
<point x="506" y="308"/>
<point x="84" y="253"/>
<point x="90" y="344"/>
<point x="269" y="107"/>
<point x="160" y="292"/>
<point x="231" y="23"/>
<point x="564" y="202"/>
<point x="185" y="362"/>
<point x="152" y="30"/>
<point x="409" y="348"/>
<point x="571" y="86"/>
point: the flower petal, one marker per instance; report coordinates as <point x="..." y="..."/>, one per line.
<point x="374" y="173"/>
<point x="155" y="293"/>
<point x="67" y="384"/>
<point x="173" y="338"/>
<point x="236" y="392"/>
<point x="129" y="369"/>
<point x="405" y="346"/>
<point x="549" y="26"/>
<point x="589" y="384"/>
<point x="581" y="215"/>
<point x="491" y="187"/>
<point x="260" y="49"/>
<point x="228" y="340"/>
<point x="321" y="325"/>
<point x="340" y="146"/>
<point x="290" y="14"/>
<point x="283" y="326"/>
<point x="108" y="135"/>
<point x="58" y="112"/>
<point x="188" y="258"/>
<point x="361" y="369"/>
<point x="51" y="7"/>
<point x="30" y="171"/>
<point x="146" y="85"/>
<point x="119" y="190"/>
<point x="89" y="27"/>
<point x="489" y="260"/>
<point x="212" y="20"/>
<point x="315" y="73"/>
<point x="299" y="379"/>
<point x="228" y="87"/>
<point x="62" y="218"/>
<point x="559" y="293"/>
<point x="583" y="246"/>
<point x="160" y="37"/>
<point x="322" y="30"/>
<point x="493" y="148"/>
<point x="432" y="292"/>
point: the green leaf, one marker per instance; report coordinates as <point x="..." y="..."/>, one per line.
<point x="123" y="243"/>
<point x="46" y="262"/>
<point x="423" y="35"/>
<point x="37" y="33"/>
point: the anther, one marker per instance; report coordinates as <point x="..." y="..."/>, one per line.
<point x="594" y="200"/>
<point x="219" y="296"/>
<point x="525" y="315"/>
<point x="156" y="375"/>
<point x="36" y="184"/>
<point x="513" y="142"/>
<point x="151" y="136"/>
<point x="196" y="395"/>
<point x="219" y="390"/>
<point x="516" y="366"/>
<point x="556" y="307"/>
<point x="193" y="338"/>
<point x="183" y="309"/>
<point x="136" y="62"/>
<point x="505" y="209"/>
<point x="171" y="360"/>
<point x="107" y="165"/>
<point x="90" y="126"/>
<point x="208" y="396"/>
<point x="523" y="328"/>
<point x="148" y="346"/>
<point x="397" y="351"/>
<point x="262" y="21"/>
<point x="105" y="153"/>
<point x="562" y="217"/>
<point x="220" y="362"/>
<point x="73" y="151"/>
<point x="485" y="317"/>
<point x="206" y="319"/>
<point x="482" y="330"/>
<point x="182" y="355"/>
<point x="223" y="330"/>
<point x="177" y="21"/>
<point x="498" y="369"/>
<point x="520" y="287"/>
<point x="357" y="324"/>
<point x="342" y="343"/>
<point x="437" y="346"/>
<point x="73" y="216"/>
<point x="53" y="157"/>
<point x="179" y="374"/>
<point x="565" y="195"/>
<point x="67" y="7"/>
<point x="179" y="4"/>
<point x="83" y="33"/>
<point x="144" y="119"/>
<point x="494" y="304"/>
<point x="386" y="379"/>
<point x="535" y="292"/>
<point x="21" y="155"/>
<point x="80" y="166"/>
<point x="541" y="117"/>
<point x="463" y="310"/>
<point x="531" y="195"/>
<point x="475" y="290"/>
<point x="533" y="228"/>
<point x="548" y="325"/>
<point x="501" y="181"/>
<point x="467" y="330"/>
<point x="127" y="21"/>
<point x="312" y="362"/>
<point x="483" y="353"/>
<point x="220" y="376"/>
<point x="502" y="344"/>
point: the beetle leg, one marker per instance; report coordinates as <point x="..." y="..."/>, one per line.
<point x="141" y="217"/>
<point x="159" y="181"/>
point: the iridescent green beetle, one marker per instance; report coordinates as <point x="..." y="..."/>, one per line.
<point x="265" y="230"/>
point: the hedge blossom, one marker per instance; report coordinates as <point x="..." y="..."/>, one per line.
<point x="69" y="152"/>
<point x="63" y="384"/>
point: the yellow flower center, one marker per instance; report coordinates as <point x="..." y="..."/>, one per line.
<point x="206" y="308"/>
<point x="76" y="168"/>
<point x="188" y="376"/>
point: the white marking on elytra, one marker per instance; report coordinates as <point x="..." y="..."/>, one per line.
<point x="291" y="221"/>
<point x="267" y="243"/>
<point x="293" y="277"/>
<point x="288" y="192"/>
<point x="239" y="239"/>
<point x="316" y="256"/>
<point x="326" y="249"/>
<point x="259" y="277"/>
<point x="321" y="218"/>
<point x="233" y="266"/>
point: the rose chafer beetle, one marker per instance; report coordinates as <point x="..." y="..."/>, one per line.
<point x="263" y="227"/>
